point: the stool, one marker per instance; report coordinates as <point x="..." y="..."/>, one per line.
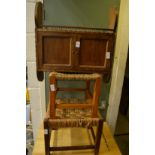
<point x="62" y="113"/>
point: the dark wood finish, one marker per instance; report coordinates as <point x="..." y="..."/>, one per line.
<point x="38" y="24"/>
<point x="46" y="137"/>
<point x="92" y="52"/>
<point x="92" y="132"/>
<point x="63" y="148"/>
<point x="52" y="97"/>
<point x="96" y="95"/>
<point x="56" y="50"/>
<point x="87" y="90"/>
<point x="98" y="136"/>
<point x="40" y="75"/>
<point x="38" y="14"/>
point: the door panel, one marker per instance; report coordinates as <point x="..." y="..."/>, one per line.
<point x="56" y="50"/>
<point x="74" y="51"/>
<point x="92" y="52"/>
<point x="95" y="52"/>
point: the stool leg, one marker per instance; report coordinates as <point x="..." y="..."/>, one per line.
<point x="98" y="137"/>
<point x="96" y="95"/>
<point x="52" y="96"/>
<point x="87" y="92"/>
<point x="46" y="137"/>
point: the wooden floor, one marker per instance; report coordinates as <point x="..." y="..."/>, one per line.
<point x="77" y="136"/>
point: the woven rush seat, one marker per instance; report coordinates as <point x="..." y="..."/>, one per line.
<point x="64" y="123"/>
<point x="73" y="112"/>
<point x="62" y="76"/>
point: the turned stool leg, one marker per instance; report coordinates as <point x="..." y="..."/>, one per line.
<point x="46" y="137"/>
<point x="96" y="95"/>
<point x="87" y="91"/>
<point x="52" y="96"/>
<point x="98" y="137"/>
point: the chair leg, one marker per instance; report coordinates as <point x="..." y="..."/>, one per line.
<point x="96" y="95"/>
<point x="52" y="96"/>
<point x="98" y="137"/>
<point x="46" y="137"/>
<point x="87" y="92"/>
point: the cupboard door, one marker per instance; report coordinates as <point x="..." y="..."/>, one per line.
<point x="95" y="53"/>
<point x="54" y="51"/>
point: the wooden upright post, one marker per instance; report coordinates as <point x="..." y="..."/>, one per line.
<point x="96" y="94"/>
<point x="47" y="137"/>
<point x="52" y="96"/>
<point x="98" y="136"/>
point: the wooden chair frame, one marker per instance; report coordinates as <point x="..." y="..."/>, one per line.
<point x="52" y="123"/>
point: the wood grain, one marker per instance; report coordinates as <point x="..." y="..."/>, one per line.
<point x="56" y="50"/>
